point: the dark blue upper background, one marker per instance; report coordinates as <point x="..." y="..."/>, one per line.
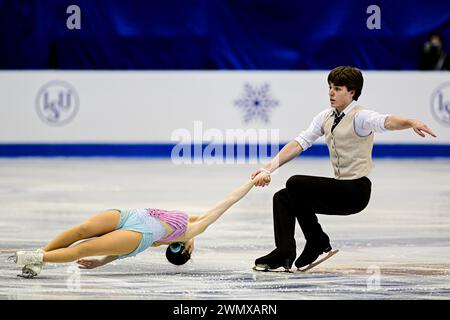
<point x="217" y="34"/>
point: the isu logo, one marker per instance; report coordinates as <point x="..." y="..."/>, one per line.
<point x="57" y="103"/>
<point x="440" y="103"/>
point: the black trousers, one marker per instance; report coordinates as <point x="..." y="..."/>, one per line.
<point x="306" y="196"/>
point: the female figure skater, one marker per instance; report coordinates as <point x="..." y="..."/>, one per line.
<point x="348" y="130"/>
<point x="118" y="234"/>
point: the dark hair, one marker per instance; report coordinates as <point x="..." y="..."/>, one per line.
<point x="177" y="253"/>
<point x="349" y="77"/>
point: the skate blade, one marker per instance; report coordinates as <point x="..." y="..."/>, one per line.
<point x="27" y="273"/>
<point x="312" y="265"/>
<point x="265" y="269"/>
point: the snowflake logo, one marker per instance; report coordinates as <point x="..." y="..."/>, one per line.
<point x="256" y="102"/>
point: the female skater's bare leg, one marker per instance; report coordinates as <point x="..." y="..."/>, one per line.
<point x="118" y="242"/>
<point x="95" y="226"/>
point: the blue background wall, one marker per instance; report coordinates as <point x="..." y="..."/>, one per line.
<point x="217" y="34"/>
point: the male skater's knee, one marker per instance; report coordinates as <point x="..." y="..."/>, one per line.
<point x="296" y="183"/>
<point x="280" y="196"/>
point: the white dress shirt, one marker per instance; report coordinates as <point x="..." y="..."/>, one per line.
<point x="366" y="122"/>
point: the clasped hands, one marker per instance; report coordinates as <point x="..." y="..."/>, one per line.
<point x="261" y="177"/>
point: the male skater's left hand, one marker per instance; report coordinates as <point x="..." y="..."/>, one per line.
<point x="419" y="126"/>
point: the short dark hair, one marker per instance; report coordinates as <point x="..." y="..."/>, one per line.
<point x="177" y="254"/>
<point x="349" y="77"/>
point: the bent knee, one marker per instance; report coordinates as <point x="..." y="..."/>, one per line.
<point x="297" y="182"/>
<point x="85" y="230"/>
<point x="280" y="194"/>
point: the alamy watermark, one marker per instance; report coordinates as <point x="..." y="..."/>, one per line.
<point x="74" y="20"/>
<point x="374" y="20"/>
<point x="231" y="146"/>
<point x="74" y="280"/>
<point x="374" y="280"/>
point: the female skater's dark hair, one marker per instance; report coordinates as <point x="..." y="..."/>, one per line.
<point x="177" y="253"/>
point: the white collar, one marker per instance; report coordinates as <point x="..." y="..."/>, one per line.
<point x="347" y="109"/>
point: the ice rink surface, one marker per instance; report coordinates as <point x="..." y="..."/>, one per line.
<point x="397" y="248"/>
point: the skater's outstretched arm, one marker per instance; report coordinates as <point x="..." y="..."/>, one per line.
<point x="399" y="123"/>
<point x="286" y="154"/>
<point x="209" y="217"/>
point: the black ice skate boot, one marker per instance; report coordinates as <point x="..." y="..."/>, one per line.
<point x="275" y="261"/>
<point x="313" y="249"/>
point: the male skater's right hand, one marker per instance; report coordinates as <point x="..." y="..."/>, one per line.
<point x="264" y="181"/>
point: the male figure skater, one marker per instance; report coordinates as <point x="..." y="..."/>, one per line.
<point x="348" y="131"/>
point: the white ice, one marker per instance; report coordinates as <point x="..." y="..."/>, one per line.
<point x="397" y="248"/>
